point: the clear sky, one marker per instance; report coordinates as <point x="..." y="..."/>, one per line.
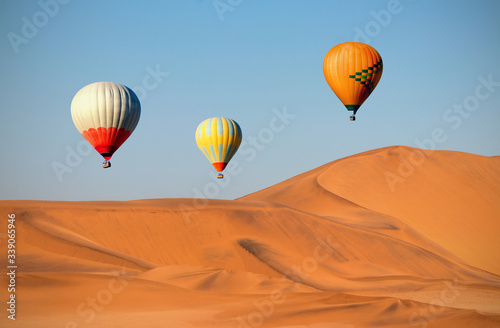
<point x="257" y="62"/>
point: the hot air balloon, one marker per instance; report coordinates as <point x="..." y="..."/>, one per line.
<point x="218" y="138"/>
<point x="105" y="113"/>
<point x="352" y="70"/>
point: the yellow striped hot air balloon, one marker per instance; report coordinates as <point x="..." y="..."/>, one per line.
<point x="352" y="70"/>
<point x="218" y="138"/>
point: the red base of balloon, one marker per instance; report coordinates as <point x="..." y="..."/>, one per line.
<point x="106" y="140"/>
<point x="219" y="166"/>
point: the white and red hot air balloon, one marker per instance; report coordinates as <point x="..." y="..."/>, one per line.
<point x="105" y="113"/>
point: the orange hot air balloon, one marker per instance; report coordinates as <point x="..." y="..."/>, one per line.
<point x="352" y="70"/>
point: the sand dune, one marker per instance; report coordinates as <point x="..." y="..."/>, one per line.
<point x="449" y="197"/>
<point x="394" y="237"/>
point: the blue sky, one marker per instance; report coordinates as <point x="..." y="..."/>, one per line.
<point x="257" y="62"/>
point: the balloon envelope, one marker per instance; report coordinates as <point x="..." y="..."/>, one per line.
<point x="218" y="138"/>
<point x="352" y="70"/>
<point x="105" y="113"/>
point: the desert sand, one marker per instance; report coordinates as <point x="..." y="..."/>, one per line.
<point x="393" y="237"/>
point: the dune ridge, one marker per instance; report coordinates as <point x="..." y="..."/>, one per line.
<point x="393" y="237"/>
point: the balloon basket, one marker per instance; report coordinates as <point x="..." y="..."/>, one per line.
<point x="220" y="176"/>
